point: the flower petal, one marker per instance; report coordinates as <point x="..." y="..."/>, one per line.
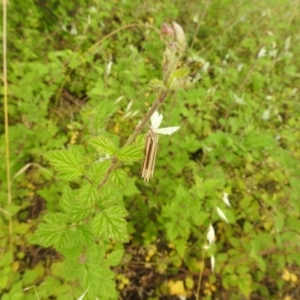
<point x="210" y="235"/>
<point x="82" y="296"/>
<point x="156" y="120"/>
<point x="166" y="130"/>
<point x="226" y="199"/>
<point x="222" y="215"/>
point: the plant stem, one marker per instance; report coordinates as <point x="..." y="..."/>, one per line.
<point x="159" y="100"/>
<point x="138" y="129"/>
<point x="200" y="276"/>
<point x="6" y="125"/>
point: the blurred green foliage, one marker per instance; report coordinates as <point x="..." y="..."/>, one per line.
<point x="68" y="63"/>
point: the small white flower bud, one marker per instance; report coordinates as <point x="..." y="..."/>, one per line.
<point x="179" y="35"/>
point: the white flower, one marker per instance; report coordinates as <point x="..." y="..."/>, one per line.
<point x="156" y="120"/>
<point x="104" y="157"/>
<point x="262" y="52"/>
<point x="226" y="199"/>
<point x="221" y="214"/>
<point x="210" y="235"/>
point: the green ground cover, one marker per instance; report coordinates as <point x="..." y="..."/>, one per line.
<point x="78" y="80"/>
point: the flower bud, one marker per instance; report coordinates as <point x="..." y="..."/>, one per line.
<point x="167" y="31"/>
<point x="174" y="38"/>
<point x="179" y="35"/>
<point x="174" y="34"/>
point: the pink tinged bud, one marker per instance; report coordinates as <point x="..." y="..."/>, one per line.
<point x="167" y="30"/>
<point x="174" y="34"/>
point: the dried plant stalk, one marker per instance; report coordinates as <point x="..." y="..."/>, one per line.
<point x="150" y="155"/>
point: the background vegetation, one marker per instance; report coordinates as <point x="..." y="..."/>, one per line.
<point x="70" y="60"/>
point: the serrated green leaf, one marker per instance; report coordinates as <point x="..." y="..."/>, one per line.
<point x="115" y="257"/>
<point x="72" y="252"/>
<point x="53" y="232"/>
<point x="84" y="234"/>
<point x="179" y="79"/>
<point x="79" y="204"/>
<point x="103" y="144"/>
<point x="67" y="163"/>
<point x="132" y="152"/>
<point x="110" y="223"/>
<point x="119" y="178"/>
<point x="73" y="269"/>
<point x="88" y="195"/>
<point x="107" y="195"/>
<point x="98" y="171"/>
<point x="67" y="200"/>
<point x="156" y="83"/>
<point x="80" y="213"/>
<point x="100" y="280"/>
<point x="180" y="73"/>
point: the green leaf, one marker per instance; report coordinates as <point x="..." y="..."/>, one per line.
<point x="6" y="259"/>
<point x="131" y="188"/>
<point x="180" y="245"/>
<point x="67" y="163"/>
<point x="84" y="235"/>
<point x="119" y="178"/>
<point x="181" y="73"/>
<point x="88" y="195"/>
<point x="107" y="194"/>
<point x="178" y="78"/>
<point x="103" y="144"/>
<point x="31" y="275"/>
<point x="100" y="280"/>
<point x="98" y="171"/>
<point x="115" y="257"/>
<point x="245" y="284"/>
<point x="12" y="209"/>
<point x="110" y="223"/>
<point x="80" y="213"/>
<point x="157" y="84"/>
<point x="132" y="152"/>
<point x="72" y="269"/>
<point x="52" y="232"/>
<point x="79" y="204"/>
<point x="67" y="200"/>
<point x="72" y="252"/>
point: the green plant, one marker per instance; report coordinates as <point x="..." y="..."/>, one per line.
<point x="238" y="135"/>
<point x="92" y="215"/>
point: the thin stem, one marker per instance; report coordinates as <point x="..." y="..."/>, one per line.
<point x="99" y="42"/>
<point x="6" y="125"/>
<point x="36" y="293"/>
<point x="199" y="23"/>
<point x="110" y="169"/>
<point x="116" y="31"/>
<point x="159" y="100"/>
<point x="138" y="129"/>
<point x="171" y="56"/>
<point x="200" y="276"/>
